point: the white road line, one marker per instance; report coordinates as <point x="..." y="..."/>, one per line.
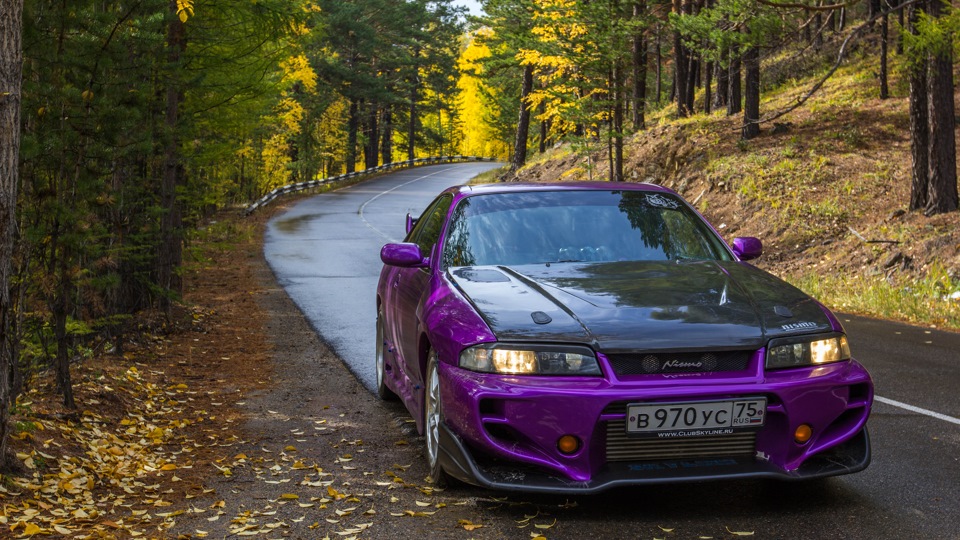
<point x="918" y="410"/>
<point x="378" y="195"/>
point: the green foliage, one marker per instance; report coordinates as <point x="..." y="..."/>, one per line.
<point x="924" y="301"/>
<point x="936" y="36"/>
<point x="113" y="103"/>
<point x="729" y="25"/>
<point x="39" y="345"/>
<point x="96" y="77"/>
<point x="24" y="427"/>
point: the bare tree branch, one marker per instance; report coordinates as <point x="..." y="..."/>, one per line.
<point x="806" y="7"/>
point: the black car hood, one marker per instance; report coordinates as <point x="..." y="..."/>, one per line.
<point x="640" y="305"/>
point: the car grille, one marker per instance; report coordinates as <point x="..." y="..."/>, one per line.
<point x="620" y="447"/>
<point x="652" y="363"/>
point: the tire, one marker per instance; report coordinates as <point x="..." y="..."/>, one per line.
<point x="383" y="392"/>
<point x="432" y="418"/>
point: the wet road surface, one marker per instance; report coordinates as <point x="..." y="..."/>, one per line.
<point x="325" y="253"/>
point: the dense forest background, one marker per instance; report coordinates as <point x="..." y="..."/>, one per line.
<point x="139" y="119"/>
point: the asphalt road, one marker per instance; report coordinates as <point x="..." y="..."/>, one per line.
<point x="325" y="252"/>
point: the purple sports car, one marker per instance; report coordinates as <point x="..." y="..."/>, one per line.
<point x="577" y="337"/>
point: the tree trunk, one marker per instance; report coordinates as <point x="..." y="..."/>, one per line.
<point x="414" y="97"/>
<point x="639" y="71"/>
<point x="370" y="149"/>
<point x="734" y="97"/>
<point x="440" y="123"/>
<point x="523" y="125"/>
<point x="659" y="68"/>
<point x="818" y="31"/>
<point x="884" y="27"/>
<point x="919" y="126"/>
<point x="544" y="129"/>
<point x="900" y="32"/>
<point x="619" y="91"/>
<point x="942" y="193"/>
<point x="60" y="306"/>
<point x="707" y="87"/>
<point x="353" y="126"/>
<point x="11" y="64"/>
<point x="751" y="101"/>
<point x="681" y="66"/>
<point x="171" y="223"/>
<point x="723" y="84"/>
<point x="386" y="145"/>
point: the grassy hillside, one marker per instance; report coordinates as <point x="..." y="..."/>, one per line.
<point x="827" y="191"/>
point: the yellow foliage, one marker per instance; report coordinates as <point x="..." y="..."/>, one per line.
<point x="290" y="114"/>
<point x="275" y="157"/>
<point x="184" y="9"/>
<point x="297" y="68"/>
<point x="300" y="29"/>
<point x="331" y="136"/>
<point x="478" y="138"/>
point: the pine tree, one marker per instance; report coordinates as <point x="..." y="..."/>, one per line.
<point x="11" y="58"/>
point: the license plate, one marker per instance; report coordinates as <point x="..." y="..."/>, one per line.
<point x="696" y="418"/>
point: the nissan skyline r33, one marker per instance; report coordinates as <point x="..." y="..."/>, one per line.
<point x="569" y="338"/>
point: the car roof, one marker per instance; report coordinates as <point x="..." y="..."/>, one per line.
<point x="513" y="187"/>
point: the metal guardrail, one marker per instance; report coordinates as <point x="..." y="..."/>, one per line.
<point x="300" y="186"/>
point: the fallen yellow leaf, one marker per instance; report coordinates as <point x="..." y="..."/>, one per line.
<point x="467" y="525"/>
<point x="31" y="529"/>
<point x="544" y="526"/>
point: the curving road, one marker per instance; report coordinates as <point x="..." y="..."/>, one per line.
<point x="325" y="252"/>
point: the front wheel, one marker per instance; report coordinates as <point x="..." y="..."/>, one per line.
<point x="433" y="416"/>
<point x="383" y="392"/>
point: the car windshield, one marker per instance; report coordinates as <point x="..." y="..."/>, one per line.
<point x="576" y="226"/>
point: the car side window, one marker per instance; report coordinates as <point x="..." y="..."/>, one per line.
<point x="430" y="225"/>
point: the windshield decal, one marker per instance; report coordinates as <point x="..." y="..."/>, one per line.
<point x="655" y="199"/>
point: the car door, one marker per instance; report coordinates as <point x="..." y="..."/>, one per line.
<point x="411" y="285"/>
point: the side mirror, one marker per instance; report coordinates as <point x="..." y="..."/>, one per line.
<point x="405" y="255"/>
<point x="411" y="222"/>
<point x="747" y="248"/>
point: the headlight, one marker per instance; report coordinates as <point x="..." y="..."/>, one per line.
<point x="807" y="351"/>
<point x="530" y="360"/>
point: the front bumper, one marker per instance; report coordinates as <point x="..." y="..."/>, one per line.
<point x="848" y="457"/>
<point x="502" y="432"/>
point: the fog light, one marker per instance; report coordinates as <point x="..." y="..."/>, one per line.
<point x="568" y="444"/>
<point x="803" y="433"/>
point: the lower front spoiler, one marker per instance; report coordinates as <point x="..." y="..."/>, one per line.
<point x="849" y="457"/>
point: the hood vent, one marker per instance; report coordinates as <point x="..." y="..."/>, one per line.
<point x="540" y="317"/>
